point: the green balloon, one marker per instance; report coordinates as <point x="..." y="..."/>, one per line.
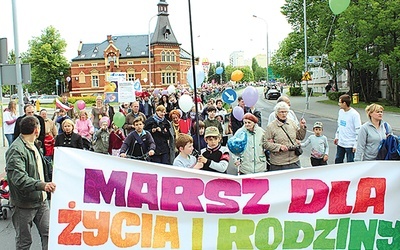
<point x="119" y="119"/>
<point x="338" y="6"/>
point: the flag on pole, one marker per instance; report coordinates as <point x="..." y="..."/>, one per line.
<point x="60" y="105"/>
<point x="137" y="86"/>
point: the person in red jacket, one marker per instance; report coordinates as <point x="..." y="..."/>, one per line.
<point x="115" y="141"/>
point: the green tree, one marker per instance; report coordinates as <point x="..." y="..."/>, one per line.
<point x="259" y="72"/>
<point x="45" y="54"/>
<point x="288" y="61"/>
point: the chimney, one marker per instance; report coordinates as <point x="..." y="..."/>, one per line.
<point x="109" y="37"/>
<point x="80" y="48"/>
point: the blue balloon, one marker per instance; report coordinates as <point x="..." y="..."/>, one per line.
<point x="237" y="143"/>
<point x="219" y="70"/>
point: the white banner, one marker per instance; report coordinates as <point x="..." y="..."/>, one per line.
<point x="126" y="92"/>
<point x="105" y="202"/>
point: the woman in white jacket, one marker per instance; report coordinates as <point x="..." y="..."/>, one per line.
<point x="253" y="158"/>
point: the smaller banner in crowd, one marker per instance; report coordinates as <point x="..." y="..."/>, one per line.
<point x="105" y="202"/>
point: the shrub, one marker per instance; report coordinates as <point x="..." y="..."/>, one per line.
<point x="295" y="91"/>
<point x="334" y="96"/>
<point x="89" y="100"/>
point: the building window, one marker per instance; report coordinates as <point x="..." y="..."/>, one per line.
<point x="81" y="65"/>
<point x="163" y="56"/>
<point x="168" y="57"/>
<point x="130" y="77"/>
<point x="168" y="78"/>
<point x="143" y="62"/>
<point x="94" y="64"/>
<point x="173" y="57"/>
<point x="130" y="63"/>
<point x="95" y="81"/>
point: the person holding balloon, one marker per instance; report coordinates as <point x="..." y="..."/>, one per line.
<point x="282" y="137"/>
<point x="214" y="157"/>
<point x="253" y="159"/>
<point x="237" y="115"/>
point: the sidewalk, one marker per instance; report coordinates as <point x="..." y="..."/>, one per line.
<point x="298" y="104"/>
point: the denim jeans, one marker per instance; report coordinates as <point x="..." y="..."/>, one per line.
<point x="9" y="138"/>
<point x="341" y="151"/>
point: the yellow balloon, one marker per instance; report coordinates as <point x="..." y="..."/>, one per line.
<point x="237" y="75"/>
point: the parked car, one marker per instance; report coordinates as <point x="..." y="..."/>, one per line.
<point x="14" y="96"/>
<point x="272" y="94"/>
<point x="47" y="99"/>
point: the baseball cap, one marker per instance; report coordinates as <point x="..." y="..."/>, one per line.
<point x="317" y="125"/>
<point x="211" y="131"/>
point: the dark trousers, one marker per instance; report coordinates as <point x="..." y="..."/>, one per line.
<point x="23" y="218"/>
<point x="317" y="162"/>
<point x="284" y="167"/>
<point x="163" y="158"/>
<point x="341" y="152"/>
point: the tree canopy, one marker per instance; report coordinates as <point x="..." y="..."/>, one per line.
<point x="48" y="64"/>
<point x="364" y="40"/>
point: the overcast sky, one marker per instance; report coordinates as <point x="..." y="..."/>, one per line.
<point x="219" y="26"/>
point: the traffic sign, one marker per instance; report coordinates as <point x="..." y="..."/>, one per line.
<point x="306" y="76"/>
<point x="229" y="96"/>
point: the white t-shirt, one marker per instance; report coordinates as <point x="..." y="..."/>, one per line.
<point x="8" y="116"/>
<point x="349" y="123"/>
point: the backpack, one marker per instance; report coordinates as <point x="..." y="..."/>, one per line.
<point x="389" y="148"/>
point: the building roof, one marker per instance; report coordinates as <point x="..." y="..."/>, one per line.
<point x="130" y="46"/>
<point x="135" y="46"/>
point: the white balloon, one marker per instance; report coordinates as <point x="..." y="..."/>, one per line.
<point x="200" y="76"/>
<point x="171" y="89"/>
<point x="185" y="103"/>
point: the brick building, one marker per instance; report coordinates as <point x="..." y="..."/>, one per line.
<point x="167" y="63"/>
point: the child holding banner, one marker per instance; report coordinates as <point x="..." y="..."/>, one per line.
<point x="185" y="159"/>
<point x="214" y="157"/>
<point x="139" y="144"/>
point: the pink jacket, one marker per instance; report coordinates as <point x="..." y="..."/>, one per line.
<point x="84" y="128"/>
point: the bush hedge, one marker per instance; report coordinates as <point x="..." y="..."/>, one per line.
<point x="334" y="96"/>
<point x="89" y="100"/>
<point x="295" y="91"/>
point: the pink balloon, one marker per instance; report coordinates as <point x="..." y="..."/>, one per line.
<point x="250" y="96"/>
<point x="81" y="105"/>
<point x="238" y="113"/>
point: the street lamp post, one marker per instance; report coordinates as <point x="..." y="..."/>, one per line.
<point x="305" y="52"/>
<point x="62" y="88"/>
<point x="266" y="31"/>
<point x="148" y="36"/>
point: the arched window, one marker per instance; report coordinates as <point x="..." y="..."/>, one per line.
<point x="173" y="59"/>
<point x="163" y="56"/>
<point x="168" y="58"/>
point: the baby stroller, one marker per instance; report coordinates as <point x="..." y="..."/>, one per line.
<point x="4" y="199"/>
